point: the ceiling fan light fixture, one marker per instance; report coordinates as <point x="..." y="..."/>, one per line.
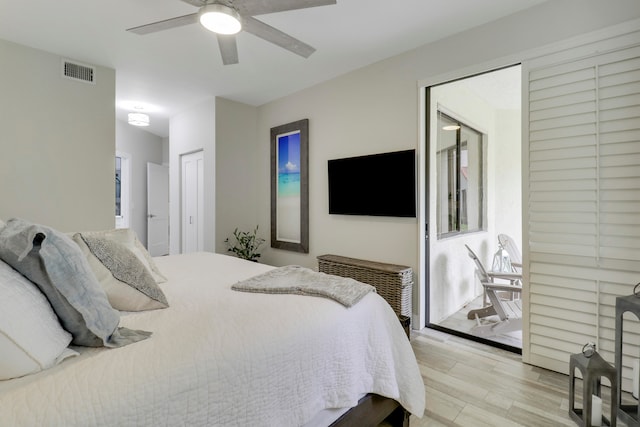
<point x="138" y="119"/>
<point x="220" y="19"/>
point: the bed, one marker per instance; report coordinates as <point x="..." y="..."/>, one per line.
<point x="217" y="356"/>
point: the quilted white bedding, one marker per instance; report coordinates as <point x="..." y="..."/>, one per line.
<point x="221" y="357"/>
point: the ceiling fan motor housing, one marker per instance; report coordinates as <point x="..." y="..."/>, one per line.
<point x="220" y="19"/>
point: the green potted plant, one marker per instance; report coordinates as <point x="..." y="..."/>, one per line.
<point x="246" y="244"/>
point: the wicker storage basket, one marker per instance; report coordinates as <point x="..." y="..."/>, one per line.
<point x="393" y="282"/>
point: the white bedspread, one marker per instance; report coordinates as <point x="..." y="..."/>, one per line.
<point x="220" y="357"/>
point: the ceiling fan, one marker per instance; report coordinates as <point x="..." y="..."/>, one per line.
<point x="228" y="17"/>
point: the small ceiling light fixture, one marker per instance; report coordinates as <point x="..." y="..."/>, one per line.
<point x="220" y="19"/>
<point x="451" y="127"/>
<point x="138" y="119"/>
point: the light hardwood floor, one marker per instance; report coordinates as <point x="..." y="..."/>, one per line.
<point x="472" y="384"/>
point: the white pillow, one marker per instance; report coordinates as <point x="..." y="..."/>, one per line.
<point x="31" y="338"/>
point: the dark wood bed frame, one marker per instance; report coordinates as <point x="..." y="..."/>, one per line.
<point x="372" y="410"/>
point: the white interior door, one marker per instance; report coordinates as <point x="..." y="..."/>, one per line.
<point x="157" y="209"/>
<point x="192" y="202"/>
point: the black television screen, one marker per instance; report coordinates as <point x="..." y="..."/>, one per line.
<point x="377" y="184"/>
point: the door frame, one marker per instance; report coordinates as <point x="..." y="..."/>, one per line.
<point x="422" y="317"/>
<point x="200" y="196"/>
<point x="427" y="176"/>
<point x="165" y="169"/>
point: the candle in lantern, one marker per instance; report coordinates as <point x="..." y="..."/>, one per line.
<point x="636" y="378"/>
<point x="596" y="411"/>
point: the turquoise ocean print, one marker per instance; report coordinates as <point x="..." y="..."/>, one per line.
<point x="289" y="184"/>
<point x="289" y="165"/>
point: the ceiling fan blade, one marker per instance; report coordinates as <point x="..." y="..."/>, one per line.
<point x="228" y="49"/>
<point x="165" y="25"/>
<point x="196" y="3"/>
<point x="277" y="37"/>
<point x="262" y="7"/>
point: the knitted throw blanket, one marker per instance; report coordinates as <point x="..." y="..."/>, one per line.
<point x="293" y="279"/>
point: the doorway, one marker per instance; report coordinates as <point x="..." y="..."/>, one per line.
<point x="157" y="209"/>
<point x="474" y="194"/>
<point x="192" y="203"/>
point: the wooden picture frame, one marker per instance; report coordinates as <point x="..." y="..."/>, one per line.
<point x="290" y="186"/>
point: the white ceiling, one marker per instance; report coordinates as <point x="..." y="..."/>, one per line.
<point x="178" y="68"/>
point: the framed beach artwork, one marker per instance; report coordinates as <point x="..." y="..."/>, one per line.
<point x="290" y="186"/>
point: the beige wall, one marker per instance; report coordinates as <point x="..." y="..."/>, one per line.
<point x="360" y="113"/>
<point x="236" y="162"/>
<point x="57" y="142"/>
<point x="377" y="108"/>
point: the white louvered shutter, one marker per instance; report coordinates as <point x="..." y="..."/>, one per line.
<point x="583" y="215"/>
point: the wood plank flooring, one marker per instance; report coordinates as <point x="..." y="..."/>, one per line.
<point x="472" y="384"/>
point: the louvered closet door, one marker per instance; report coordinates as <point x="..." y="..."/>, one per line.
<point x="583" y="205"/>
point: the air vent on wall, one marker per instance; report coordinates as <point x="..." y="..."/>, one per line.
<point x="80" y="72"/>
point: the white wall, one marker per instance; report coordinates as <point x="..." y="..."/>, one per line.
<point x="165" y="151"/>
<point x="57" y="142"/>
<point x="143" y="147"/>
<point x="508" y="174"/>
<point x="190" y="131"/>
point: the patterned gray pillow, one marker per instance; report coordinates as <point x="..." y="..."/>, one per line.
<point x="56" y="265"/>
<point x="128" y="283"/>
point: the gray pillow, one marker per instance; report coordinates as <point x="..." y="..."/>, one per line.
<point x="56" y="265"/>
<point x="128" y="283"/>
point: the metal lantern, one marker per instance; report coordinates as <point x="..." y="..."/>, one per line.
<point x="501" y="260"/>
<point x="628" y="413"/>
<point x="592" y="367"/>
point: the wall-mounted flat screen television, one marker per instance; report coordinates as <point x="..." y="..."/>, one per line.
<point x="377" y="184"/>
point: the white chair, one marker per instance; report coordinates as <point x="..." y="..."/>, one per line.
<point x="487" y="276"/>
<point x="509" y="311"/>
<point x="514" y="253"/>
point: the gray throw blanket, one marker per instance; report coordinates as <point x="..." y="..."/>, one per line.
<point x="57" y="266"/>
<point x="293" y="279"/>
